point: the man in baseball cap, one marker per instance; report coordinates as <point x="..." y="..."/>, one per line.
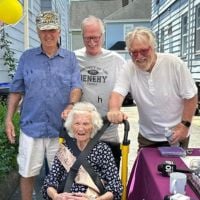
<point x="48" y="20"/>
<point x="40" y="80"/>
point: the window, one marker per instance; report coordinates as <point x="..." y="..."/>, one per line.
<point x="127" y="28"/>
<point x="162" y="37"/>
<point x="197" y="30"/>
<point x="184" y="34"/>
<point x="157" y="39"/>
<point x="170" y="37"/>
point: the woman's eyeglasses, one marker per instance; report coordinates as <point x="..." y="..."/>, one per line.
<point x="143" y="52"/>
<point x="94" y="38"/>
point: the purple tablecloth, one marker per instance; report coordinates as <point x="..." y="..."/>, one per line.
<point x="146" y="183"/>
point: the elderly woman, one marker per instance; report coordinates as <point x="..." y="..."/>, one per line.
<point x="83" y="123"/>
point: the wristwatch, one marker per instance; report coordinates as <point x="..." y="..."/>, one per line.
<point x="186" y="123"/>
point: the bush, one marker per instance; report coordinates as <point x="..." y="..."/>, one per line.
<point x="8" y="152"/>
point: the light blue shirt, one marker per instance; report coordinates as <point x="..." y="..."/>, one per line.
<point x="46" y="84"/>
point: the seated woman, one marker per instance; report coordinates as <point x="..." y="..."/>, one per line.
<point x="83" y="122"/>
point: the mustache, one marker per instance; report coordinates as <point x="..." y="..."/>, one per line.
<point x="140" y="59"/>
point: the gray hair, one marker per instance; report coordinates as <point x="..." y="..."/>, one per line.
<point x="141" y="34"/>
<point x="92" y="19"/>
<point x="81" y="108"/>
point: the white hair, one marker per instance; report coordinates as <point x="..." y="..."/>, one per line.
<point x="92" y="20"/>
<point x="141" y="34"/>
<point x="84" y="108"/>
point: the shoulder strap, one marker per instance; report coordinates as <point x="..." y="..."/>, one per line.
<point x="81" y="158"/>
<point x="96" y="179"/>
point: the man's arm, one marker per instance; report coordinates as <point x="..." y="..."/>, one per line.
<point x="181" y="130"/>
<point x="190" y="106"/>
<point x="75" y="96"/>
<point x="13" y="102"/>
<point x="114" y="114"/>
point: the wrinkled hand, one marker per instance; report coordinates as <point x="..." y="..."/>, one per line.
<point x="180" y="132"/>
<point x="66" y="112"/>
<point x="116" y="117"/>
<point x="10" y="131"/>
<point x="71" y="196"/>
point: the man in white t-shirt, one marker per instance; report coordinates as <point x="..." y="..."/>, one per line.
<point x="162" y="87"/>
<point x="99" y="68"/>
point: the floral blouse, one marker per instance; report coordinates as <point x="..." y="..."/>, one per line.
<point x="101" y="160"/>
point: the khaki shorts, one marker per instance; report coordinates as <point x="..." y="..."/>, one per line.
<point x="32" y="152"/>
<point x="143" y="142"/>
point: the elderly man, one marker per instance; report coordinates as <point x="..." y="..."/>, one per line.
<point x="48" y="79"/>
<point x="99" y="69"/>
<point x="162" y="87"/>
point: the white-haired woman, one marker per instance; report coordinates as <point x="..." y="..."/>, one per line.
<point x="83" y="123"/>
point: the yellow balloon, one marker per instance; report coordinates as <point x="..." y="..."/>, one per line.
<point x="10" y="11"/>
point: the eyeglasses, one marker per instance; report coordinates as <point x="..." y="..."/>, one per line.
<point x="143" y="52"/>
<point x="94" y="38"/>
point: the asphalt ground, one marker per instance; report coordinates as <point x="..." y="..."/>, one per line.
<point x="132" y="136"/>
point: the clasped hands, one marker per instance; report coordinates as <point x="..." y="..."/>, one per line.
<point x="71" y="196"/>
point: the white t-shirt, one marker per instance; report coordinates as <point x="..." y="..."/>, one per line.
<point x="98" y="75"/>
<point x="158" y="95"/>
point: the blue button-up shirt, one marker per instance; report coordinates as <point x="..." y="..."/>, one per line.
<point x="46" y="84"/>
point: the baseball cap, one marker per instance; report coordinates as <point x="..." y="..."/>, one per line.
<point x="48" y="20"/>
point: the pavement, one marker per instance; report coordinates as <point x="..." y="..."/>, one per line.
<point x="133" y="121"/>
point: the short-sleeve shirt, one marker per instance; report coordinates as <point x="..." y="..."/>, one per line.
<point x="46" y="84"/>
<point x="98" y="75"/>
<point x="159" y="95"/>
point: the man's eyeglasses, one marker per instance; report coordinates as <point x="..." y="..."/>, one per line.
<point x="94" y="38"/>
<point x="143" y="52"/>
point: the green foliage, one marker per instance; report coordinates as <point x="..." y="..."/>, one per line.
<point x="8" y="55"/>
<point x="8" y="152"/>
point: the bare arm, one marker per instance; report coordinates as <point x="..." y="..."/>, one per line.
<point x="75" y="97"/>
<point x="115" y="102"/>
<point x="190" y="106"/>
<point x="181" y="131"/>
<point x="13" y="102"/>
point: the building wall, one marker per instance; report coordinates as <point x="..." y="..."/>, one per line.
<point x="117" y="31"/>
<point x="62" y="7"/>
<point x="167" y="25"/>
<point x="16" y="36"/>
<point x="17" y="32"/>
<point x="76" y="40"/>
<point x="82" y="9"/>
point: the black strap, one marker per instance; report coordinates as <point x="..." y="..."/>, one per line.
<point x="82" y="157"/>
<point x="76" y="151"/>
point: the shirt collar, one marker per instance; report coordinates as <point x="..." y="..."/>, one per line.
<point x="60" y="51"/>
